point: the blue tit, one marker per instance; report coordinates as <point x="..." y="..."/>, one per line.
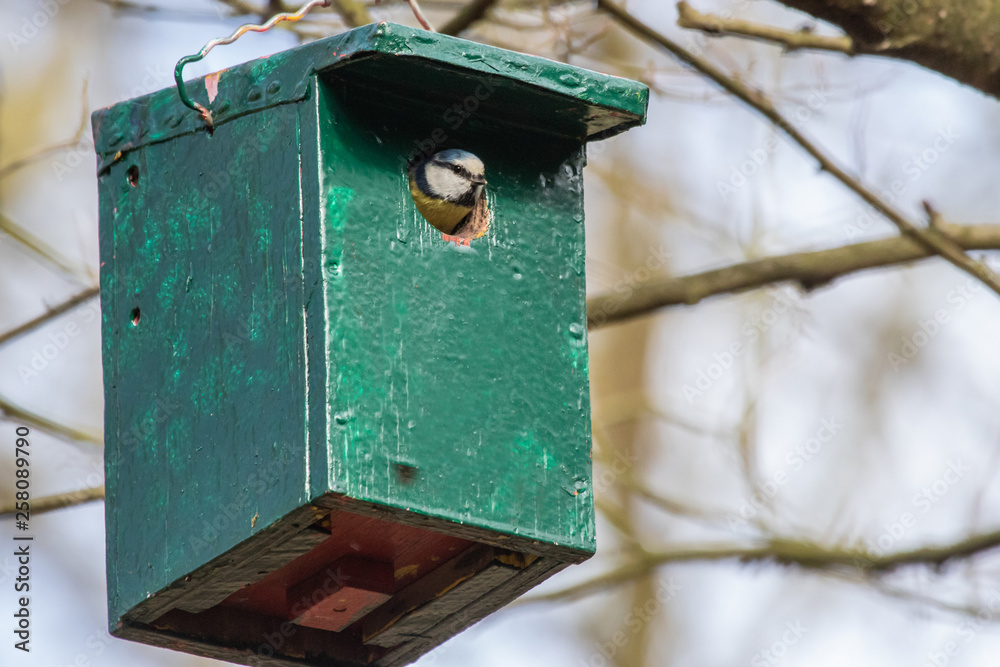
<point x="448" y="190"/>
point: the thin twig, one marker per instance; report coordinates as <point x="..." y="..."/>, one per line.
<point x="471" y="13"/>
<point x="809" y="269"/>
<point x="39" y="248"/>
<point x="421" y="19"/>
<point x="804" y="554"/>
<point x="790" y="40"/>
<point x="55" y="311"/>
<point x="15" y="413"/>
<point x="50" y="503"/>
<point x="759" y="103"/>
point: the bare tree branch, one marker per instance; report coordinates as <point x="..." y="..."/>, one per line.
<point x="15" y="413"/>
<point x="803" y="554"/>
<point x="55" y="311"/>
<point x="50" y="503"/>
<point x="41" y="249"/>
<point x="759" y="103"/>
<point x="809" y="269"/>
<point x="471" y="13"/>
<point x="75" y="142"/>
<point x="354" y="12"/>
<point x="958" y="38"/>
<point x="789" y="40"/>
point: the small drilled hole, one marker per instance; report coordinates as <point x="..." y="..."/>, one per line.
<point x="135" y="317"/>
<point x="133" y="175"/>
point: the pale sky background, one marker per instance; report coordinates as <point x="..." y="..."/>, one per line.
<point x="824" y="359"/>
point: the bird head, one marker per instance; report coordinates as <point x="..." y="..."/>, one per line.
<point x="454" y="175"/>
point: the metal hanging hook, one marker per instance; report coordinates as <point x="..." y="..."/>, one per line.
<point x="242" y="30"/>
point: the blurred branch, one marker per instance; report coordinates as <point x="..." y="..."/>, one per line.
<point x="790" y="40"/>
<point x="28" y="160"/>
<point x="38" y="247"/>
<point x="955" y="37"/>
<point x="59" y="147"/>
<point x="804" y="554"/>
<point x="809" y="269"/>
<point x="354" y="12"/>
<point x="471" y="13"/>
<point x="17" y="414"/>
<point x="753" y="98"/>
<point x="157" y="12"/>
<point x="50" y="503"/>
<point x="51" y="313"/>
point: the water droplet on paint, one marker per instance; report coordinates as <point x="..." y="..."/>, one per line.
<point x="576" y="330"/>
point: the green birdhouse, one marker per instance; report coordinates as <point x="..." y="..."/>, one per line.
<point x="333" y="436"/>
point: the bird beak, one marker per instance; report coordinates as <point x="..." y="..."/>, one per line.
<point x="479" y="180"/>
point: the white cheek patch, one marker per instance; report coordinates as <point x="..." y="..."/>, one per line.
<point x="473" y="165"/>
<point x="445" y="183"/>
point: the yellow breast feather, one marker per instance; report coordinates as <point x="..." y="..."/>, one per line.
<point x="444" y="215"/>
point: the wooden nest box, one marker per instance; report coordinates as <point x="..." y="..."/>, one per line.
<point x="334" y="438"/>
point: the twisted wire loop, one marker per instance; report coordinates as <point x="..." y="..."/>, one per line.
<point x="242" y="30"/>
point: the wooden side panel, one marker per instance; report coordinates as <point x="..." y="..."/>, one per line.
<point x="204" y="365"/>
<point x="457" y="378"/>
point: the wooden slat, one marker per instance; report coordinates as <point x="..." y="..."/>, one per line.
<point x="228" y="581"/>
<point x="425" y="617"/>
<point x="220" y="577"/>
<point x="341" y="594"/>
<point x="507" y="541"/>
<point x="422" y="592"/>
<point x="457" y="622"/>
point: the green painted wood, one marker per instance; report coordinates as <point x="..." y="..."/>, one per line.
<point x="468" y="367"/>
<point x="304" y="338"/>
<point x="204" y="396"/>
<point x="571" y="100"/>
